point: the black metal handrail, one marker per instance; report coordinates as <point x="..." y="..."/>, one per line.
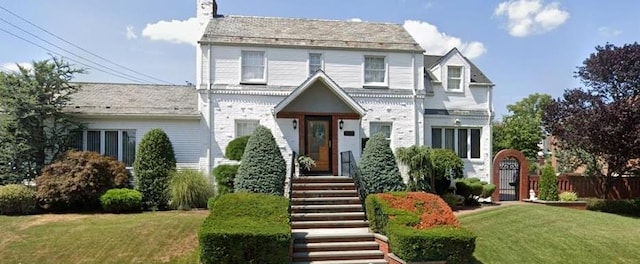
<point x="292" y="173"/>
<point x="350" y="168"/>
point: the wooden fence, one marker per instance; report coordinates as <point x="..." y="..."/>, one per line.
<point x="621" y="187"/>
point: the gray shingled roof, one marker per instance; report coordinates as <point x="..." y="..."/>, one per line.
<point x="476" y="74"/>
<point x="134" y="99"/>
<point x="271" y="31"/>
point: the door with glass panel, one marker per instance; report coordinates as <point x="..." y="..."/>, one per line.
<point x="318" y="143"/>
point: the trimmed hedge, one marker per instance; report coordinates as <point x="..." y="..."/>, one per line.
<point x="155" y="161"/>
<point x="121" y="201"/>
<point x="622" y="207"/>
<point x="189" y="189"/>
<point x="246" y="228"/>
<point x="471" y="188"/>
<point x="378" y="166"/>
<point x="225" y="176"/>
<point x="420" y="227"/>
<point x="17" y="199"/>
<point x="235" y="148"/>
<point x="263" y="168"/>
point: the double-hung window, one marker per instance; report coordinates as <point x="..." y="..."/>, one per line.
<point x="246" y="127"/>
<point x="377" y="127"/>
<point x="253" y="67"/>
<point x="120" y="144"/>
<point x="315" y="62"/>
<point x="454" y="78"/>
<point x="375" y="70"/>
<point x="463" y="141"/>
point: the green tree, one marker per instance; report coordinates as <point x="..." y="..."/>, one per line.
<point x="378" y="165"/>
<point x="548" y="189"/>
<point x="418" y="160"/>
<point x="263" y="169"/>
<point x="155" y="161"/>
<point x="521" y="128"/>
<point x="33" y="126"/>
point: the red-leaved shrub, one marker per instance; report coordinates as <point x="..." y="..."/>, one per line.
<point x="432" y="209"/>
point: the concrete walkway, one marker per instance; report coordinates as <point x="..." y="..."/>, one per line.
<point x="486" y="207"/>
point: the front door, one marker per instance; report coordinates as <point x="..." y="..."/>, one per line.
<point x="318" y="143"/>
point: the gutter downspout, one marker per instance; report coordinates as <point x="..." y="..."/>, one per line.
<point x="416" y="111"/>
<point x="210" y="121"/>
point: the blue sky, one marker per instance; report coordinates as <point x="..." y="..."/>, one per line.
<point x="523" y="46"/>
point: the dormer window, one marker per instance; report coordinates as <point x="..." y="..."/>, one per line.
<point x="454" y="78"/>
<point x="253" y="67"/>
<point x="375" y="71"/>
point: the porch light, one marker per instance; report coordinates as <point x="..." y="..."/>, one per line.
<point x="341" y="124"/>
<point x="295" y="124"/>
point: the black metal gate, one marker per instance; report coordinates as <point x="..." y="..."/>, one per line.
<point x="509" y="179"/>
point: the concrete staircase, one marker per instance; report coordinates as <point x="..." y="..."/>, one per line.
<point x="328" y="223"/>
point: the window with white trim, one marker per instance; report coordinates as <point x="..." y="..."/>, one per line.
<point x="315" y="62"/>
<point x="375" y="70"/>
<point x="384" y="127"/>
<point x="454" y="78"/>
<point x="253" y="67"/>
<point x="246" y="127"/>
<point x="120" y="144"/>
<point x="463" y="141"/>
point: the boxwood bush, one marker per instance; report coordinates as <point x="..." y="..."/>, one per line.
<point x="17" y="199"/>
<point x="235" y="148"/>
<point x="622" y="207"/>
<point x="263" y="168"/>
<point x="225" y="175"/>
<point x="378" y="165"/>
<point x="121" y="201"/>
<point x="420" y="227"/>
<point x="246" y="228"/>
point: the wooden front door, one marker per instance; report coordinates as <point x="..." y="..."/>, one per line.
<point x="318" y="142"/>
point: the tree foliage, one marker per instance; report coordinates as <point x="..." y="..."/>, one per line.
<point x="521" y="128"/>
<point x="263" y="169"/>
<point x="418" y="160"/>
<point x="154" y="163"/>
<point x="33" y="126"/>
<point x="548" y="189"/>
<point x="602" y="119"/>
<point x="378" y="165"/>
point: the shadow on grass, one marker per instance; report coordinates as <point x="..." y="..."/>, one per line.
<point x="474" y="260"/>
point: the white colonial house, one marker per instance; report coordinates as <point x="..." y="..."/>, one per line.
<point x="321" y="86"/>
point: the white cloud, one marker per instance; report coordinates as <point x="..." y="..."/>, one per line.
<point x="13" y="67"/>
<point x="176" y="31"/>
<point x="130" y="33"/>
<point x="609" y="32"/>
<point x="526" y="17"/>
<point x="438" y="43"/>
<point x="355" y="19"/>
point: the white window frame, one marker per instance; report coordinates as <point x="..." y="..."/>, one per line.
<point x="455" y="140"/>
<point x="239" y="122"/>
<point x="102" y="132"/>
<point x="385" y="82"/>
<point x="379" y="125"/>
<point x="309" y="62"/>
<point x="459" y="78"/>
<point x="263" y="80"/>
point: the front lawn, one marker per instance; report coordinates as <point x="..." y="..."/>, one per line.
<point x="151" y="237"/>
<point x="546" y="234"/>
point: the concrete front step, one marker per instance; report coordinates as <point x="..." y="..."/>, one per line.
<point x="324" y="186"/>
<point x="326" y="208"/>
<point x="329" y="224"/>
<point x="338" y="255"/>
<point x="328" y="235"/>
<point x="325" y="200"/>
<point x="323" y="193"/>
<point x="327" y="216"/>
<point x="357" y="261"/>
<point x="336" y="246"/>
<point x="322" y="179"/>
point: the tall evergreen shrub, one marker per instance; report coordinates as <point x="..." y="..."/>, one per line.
<point x="548" y="188"/>
<point x="378" y="165"/>
<point x="263" y="169"/>
<point x="155" y="161"/>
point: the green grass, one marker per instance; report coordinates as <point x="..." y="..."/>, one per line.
<point x="151" y="237"/>
<point x="546" y="234"/>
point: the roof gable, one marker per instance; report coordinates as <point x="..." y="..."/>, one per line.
<point x="430" y="61"/>
<point x="271" y="31"/>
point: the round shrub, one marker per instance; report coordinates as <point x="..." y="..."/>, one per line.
<point x="121" y="201"/>
<point x="189" y="189"/>
<point x="488" y="190"/>
<point x="476" y="188"/>
<point x="568" y="196"/>
<point x="442" y="162"/>
<point x="263" y="168"/>
<point x="225" y="175"/>
<point x="236" y="147"/>
<point x="548" y="188"/>
<point x="78" y="179"/>
<point x="17" y="199"/>
<point x="378" y="165"/>
<point x="155" y="161"/>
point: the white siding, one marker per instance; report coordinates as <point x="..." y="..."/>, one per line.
<point x="346" y="143"/>
<point x="184" y="134"/>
